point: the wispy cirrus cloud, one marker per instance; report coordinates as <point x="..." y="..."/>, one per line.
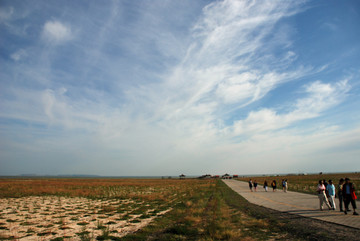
<point x="18" y="55"/>
<point x="321" y="97"/>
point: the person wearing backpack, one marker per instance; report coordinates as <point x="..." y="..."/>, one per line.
<point x="273" y="185"/>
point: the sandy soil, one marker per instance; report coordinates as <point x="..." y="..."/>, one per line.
<point x="46" y="218"/>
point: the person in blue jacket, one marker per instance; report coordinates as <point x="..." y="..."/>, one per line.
<point x="331" y="192"/>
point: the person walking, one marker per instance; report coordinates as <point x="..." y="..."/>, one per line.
<point x="331" y="191"/>
<point x="322" y="195"/>
<point x="251" y="185"/>
<point x="340" y="194"/>
<point x="265" y="185"/>
<point x="349" y="195"/>
<point x="273" y="185"/>
<point x="255" y="185"/>
<point x="285" y="185"/>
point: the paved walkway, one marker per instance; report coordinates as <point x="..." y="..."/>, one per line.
<point x="294" y="202"/>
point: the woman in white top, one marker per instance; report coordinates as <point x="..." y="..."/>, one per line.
<point x="322" y="196"/>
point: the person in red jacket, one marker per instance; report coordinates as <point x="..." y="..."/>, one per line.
<point x="349" y="196"/>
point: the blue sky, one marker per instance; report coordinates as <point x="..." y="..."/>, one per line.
<point x="170" y="87"/>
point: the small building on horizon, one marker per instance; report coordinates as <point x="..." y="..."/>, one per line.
<point x="206" y="176"/>
<point x="226" y="176"/>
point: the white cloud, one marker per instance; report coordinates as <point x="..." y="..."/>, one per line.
<point x="320" y="98"/>
<point x="56" y="32"/>
<point x="323" y="96"/>
<point x="18" y="55"/>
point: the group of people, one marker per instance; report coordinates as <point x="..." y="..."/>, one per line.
<point x="273" y="185"/>
<point x="253" y="185"/>
<point x="326" y="193"/>
<point x="345" y="192"/>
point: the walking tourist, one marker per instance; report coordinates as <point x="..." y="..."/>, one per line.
<point x="331" y="191"/>
<point x="322" y="195"/>
<point x="285" y="185"/>
<point x="255" y="185"/>
<point x="273" y="185"/>
<point x="340" y="195"/>
<point x="265" y="185"/>
<point x="251" y="185"/>
<point x="325" y="184"/>
<point x="349" y="196"/>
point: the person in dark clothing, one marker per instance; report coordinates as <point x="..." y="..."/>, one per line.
<point x="349" y="196"/>
<point x="340" y="195"/>
<point x="273" y="185"/>
<point x="251" y="185"/>
<point x="265" y="185"/>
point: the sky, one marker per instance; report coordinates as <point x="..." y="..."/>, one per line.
<point x="165" y="87"/>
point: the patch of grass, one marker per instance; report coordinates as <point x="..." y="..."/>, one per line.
<point x="11" y="220"/>
<point x="57" y="239"/>
<point x="64" y="227"/>
<point x="107" y="209"/>
<point x="84" y="235"/>
<point x="26" y="224"/>
<point x="30" y="230"/>
<point x="83" y="223"/>
<point x="182" y="229"/>
<point x="46" y="233"/>
<point x="135" y="221"/>
<point x="144" y="216"/>
<point x="105" y="234"/>
<point x="100" y="225"/>
<point x="125" y="217"/>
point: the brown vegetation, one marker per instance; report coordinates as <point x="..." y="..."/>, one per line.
<point x="85" y="209"/>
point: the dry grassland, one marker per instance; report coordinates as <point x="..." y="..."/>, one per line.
<point x="83" y="209"/>
<point x="146" y="209"/>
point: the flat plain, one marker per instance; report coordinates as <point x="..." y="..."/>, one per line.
<point x="145" y="209"/>
<point x="80" y="209"/>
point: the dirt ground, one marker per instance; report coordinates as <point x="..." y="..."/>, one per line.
<point x="49" y="217"/>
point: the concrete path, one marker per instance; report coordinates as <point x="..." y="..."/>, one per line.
<point x="294" y="202"/>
